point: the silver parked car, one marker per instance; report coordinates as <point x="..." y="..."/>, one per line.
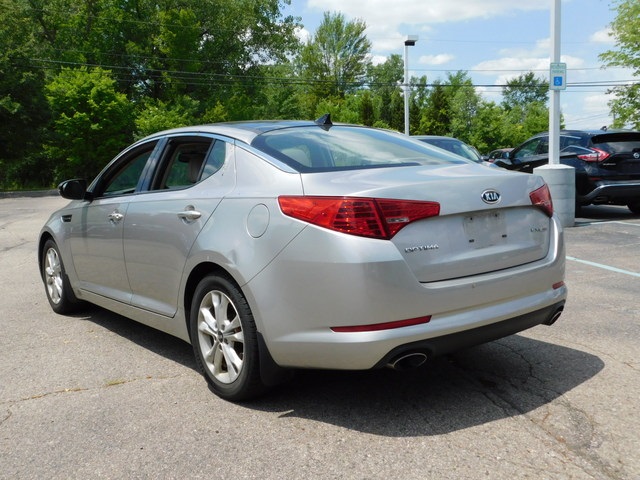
<point x="271" y="246"/>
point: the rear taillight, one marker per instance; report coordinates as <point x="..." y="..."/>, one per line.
<point x="366" y="217"/>
<point x="541" y="198"/>
<point x="596" y="155"/>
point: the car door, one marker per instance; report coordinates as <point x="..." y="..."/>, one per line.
<point x="97" y="227"/>
<point x="530" y="155"/>
<point x="161" y="225"/>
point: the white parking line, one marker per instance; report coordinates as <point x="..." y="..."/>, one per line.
<point x="605" y="267"/>
<point x="617" y="222"/>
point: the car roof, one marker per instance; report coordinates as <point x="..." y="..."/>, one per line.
<point x="435" y="137"/>
<point x="244" y="131"/>
<point x="589" y="132"/>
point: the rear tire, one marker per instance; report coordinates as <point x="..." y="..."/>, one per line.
<point x="224" y="340"/>
<point x="56" y="283"/>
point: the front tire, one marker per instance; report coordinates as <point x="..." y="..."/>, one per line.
<point x="224" y="339"/>
<point x="56" y="282"/>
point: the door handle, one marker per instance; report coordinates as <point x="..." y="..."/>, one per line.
<point x="190" y="214"/>
<point x="115" y="216"/>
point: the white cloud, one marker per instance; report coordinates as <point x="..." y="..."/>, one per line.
<point x="439" y="59"/>
<point x="303" y="34"/>
<point x="380" y="12"/>
<point x="384" y="21"/>
<point x="602" y="36"/>
<point x="508" y="68"/>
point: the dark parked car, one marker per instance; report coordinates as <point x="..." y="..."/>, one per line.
<point x="607" y="164"/>
<point x="498" y="154"/>
<point x="451" y="145"/>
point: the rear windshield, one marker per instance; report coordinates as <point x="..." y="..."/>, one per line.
<point x="318" y="149"/>
<point x="622" y="142"/>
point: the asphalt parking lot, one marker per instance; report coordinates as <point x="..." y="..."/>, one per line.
<point x="99" y="396"/>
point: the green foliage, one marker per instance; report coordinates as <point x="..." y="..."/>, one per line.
<point x="335" y="59"/>
<point x="24" y="113"/>
<point x="92" y="122"/>
<point x="79" y="79"/>
<point x="524" y="90"/>
<point x="625" y="29"/>
<point x="158" y="115"/>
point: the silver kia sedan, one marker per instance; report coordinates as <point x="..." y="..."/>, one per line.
<point x="272" y="246"/>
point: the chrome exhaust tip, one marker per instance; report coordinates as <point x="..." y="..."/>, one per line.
<point x="556" y="315"/>
<point x="408" y="361"/>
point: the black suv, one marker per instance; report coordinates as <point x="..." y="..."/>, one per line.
<point x="607" y="164"/>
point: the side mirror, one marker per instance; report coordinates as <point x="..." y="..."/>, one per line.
<point x="75" y="189"/>
<point x="503" y="162"/>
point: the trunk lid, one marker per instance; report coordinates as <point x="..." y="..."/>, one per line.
<point x="486" y="223"/>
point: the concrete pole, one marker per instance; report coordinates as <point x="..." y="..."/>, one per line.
<point x="554" y="107"/>
<point x="561" y="179"/>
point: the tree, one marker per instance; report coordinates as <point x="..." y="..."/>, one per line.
<point x="23" y="107"/>
<point x="435" y="114"/>
<point x="463" y="104"/>
<point x="158" y="115"/>
<point x="525" y="90"/>
<point x="159" y="53"/>
<point x="92" y="121"/>
<point x="450" y="106"/>
<point x="625" y="29"/>
<point x="384" y="83"/>
<point x="336" y="58"/>
<point x="487" y="132"/>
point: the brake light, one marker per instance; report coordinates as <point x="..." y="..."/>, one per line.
<point x="541" y="198"/>
<point x="379" y="218"/>
<point x="596" y="155"/>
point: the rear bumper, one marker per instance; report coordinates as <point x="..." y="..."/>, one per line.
<point x="304" y="295"/>
<point x="610" y="191"/>
<point x="469" y="338"/>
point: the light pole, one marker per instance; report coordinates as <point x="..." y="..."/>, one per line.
<point x="409" y="41"/>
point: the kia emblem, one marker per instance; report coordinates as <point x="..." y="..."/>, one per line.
<point x="491" y="197"/>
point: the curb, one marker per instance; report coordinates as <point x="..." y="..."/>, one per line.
<point x="34" y="193"/>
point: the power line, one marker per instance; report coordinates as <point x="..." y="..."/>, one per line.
<point x="243" y="78"/>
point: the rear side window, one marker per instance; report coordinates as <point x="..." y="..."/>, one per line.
<point x="189" y="160"/>
<point x="317" y="149"/>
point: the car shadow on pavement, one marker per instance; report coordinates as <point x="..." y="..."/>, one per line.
<point x="149" y="338"/>
<point x="505" y="378"/>
<point x="501" y="379"/>
<point x="604" y="213"/>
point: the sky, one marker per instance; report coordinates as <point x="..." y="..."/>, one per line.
<point x="493" y="40"/>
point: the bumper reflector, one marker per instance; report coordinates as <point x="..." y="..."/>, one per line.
<point x="374" y="327"/>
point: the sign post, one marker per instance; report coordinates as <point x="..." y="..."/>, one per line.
<point x="559" y="177"/>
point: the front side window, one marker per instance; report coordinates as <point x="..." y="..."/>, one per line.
<point x="123" y="178"/>
<point x="528" y="149"/>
